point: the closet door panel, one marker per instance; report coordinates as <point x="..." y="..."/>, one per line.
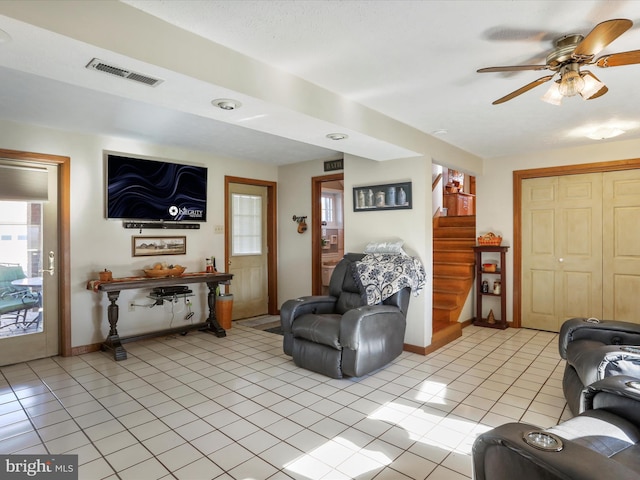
<point x="621" y="234"/>
<point x="561" y="236"/>
<point x="539" y="289"/>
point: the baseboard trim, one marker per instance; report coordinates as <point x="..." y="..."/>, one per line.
<point x="82" y="349"/>
<point x="439" y="339"/>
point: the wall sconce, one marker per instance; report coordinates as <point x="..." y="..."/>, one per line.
<point x="302" y="223"/>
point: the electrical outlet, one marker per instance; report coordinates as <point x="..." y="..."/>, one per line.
<point x="218" y="229"/>
<point x="132" y="307"/>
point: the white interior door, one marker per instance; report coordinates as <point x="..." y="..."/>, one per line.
<point x="247" y="238"/>
<point x="29" y="243"/>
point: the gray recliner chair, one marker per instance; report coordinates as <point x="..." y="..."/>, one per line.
<point x="596" y="349"/>
<point x="602" y="442"/>
<point x="339" y="334"/>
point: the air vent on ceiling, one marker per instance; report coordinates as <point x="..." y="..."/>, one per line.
<point x="101" y="66"/>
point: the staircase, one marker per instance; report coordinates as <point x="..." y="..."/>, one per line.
<point x="453" y="274"/>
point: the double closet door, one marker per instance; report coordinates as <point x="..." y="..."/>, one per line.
<point x="580" y="248"/>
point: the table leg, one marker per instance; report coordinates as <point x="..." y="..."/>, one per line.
<point x="212" y="322"/>
<point x="113" y="342"/>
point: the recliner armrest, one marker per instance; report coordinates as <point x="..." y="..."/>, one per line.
<point x="609" y="332"/>
<point x="502" y="454"/>
<point x="296" y="307"/>
<point x="362" y="323"/>
<point x="619" y="394"/>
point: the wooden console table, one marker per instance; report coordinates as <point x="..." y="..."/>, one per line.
<point x="114" y="342"/>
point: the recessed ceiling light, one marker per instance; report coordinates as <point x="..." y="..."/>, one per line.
<point x="603" y="133"/>
<point x="226" y="103"/>
<point x="337" y="136"/>
<point x="440" y="131"/>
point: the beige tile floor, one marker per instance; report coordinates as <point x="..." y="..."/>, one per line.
<point x="202" y="407"/>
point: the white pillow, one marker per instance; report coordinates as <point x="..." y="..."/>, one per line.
<point x="385" y="247"/>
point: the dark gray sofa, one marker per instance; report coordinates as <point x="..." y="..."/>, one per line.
<point x="339" y="334"/>
<point x="602" y="442"/>
<point x="595" y="349"/>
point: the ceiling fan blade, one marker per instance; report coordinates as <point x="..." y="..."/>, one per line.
<point x="619" y="59"/>
<point x="602" y="35"/>
<point x="524" y="89"/>
<point x="514" y="68"/>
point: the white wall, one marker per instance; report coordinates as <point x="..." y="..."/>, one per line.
<point x="411" y="225"/>
<point x="294" y="249"/>
<point x="494" y="210"/>
<point x="97" y="243"/>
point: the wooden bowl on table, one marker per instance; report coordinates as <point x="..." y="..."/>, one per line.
<point x="176" y="271"/>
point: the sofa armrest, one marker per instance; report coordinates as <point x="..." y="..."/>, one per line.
<point x="370" y="322"/>
<point x="619" y="395"/>
<point x="502" y="454"/>
<point x="291" y="309"/>
<point x="608" y="332"/>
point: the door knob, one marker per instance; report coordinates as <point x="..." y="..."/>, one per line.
<point x="561" y="259"/>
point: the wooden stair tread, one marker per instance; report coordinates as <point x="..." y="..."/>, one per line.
<point x="457" y="291"/>
<point x="445" y="305"/>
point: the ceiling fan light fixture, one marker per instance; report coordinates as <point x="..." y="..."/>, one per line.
<point x="603" y="133"/>
<point x="571" y="83"/>
<point x="553" y="95"/>
<point x="592" y="86"/>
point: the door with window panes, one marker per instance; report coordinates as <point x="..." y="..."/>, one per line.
<point x="28" y="251"/>
<point x="248" y="249"/>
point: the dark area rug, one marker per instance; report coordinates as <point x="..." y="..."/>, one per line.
<point x="277" y="330"/>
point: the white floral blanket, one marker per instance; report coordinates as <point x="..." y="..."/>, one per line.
<point x="380" y="275"/>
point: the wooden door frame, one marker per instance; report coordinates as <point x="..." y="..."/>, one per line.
<point x="64" y="222"/>
<point x="316" y="226"/>
<point x="518" y="177"/>
<point x="272" y="234"/>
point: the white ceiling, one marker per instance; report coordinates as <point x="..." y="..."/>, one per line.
<point x="412" y="61"/>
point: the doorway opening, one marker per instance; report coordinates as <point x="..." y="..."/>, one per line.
<point x="327" y="243"/>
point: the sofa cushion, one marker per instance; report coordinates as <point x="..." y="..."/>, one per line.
<point x="319" y="328"/>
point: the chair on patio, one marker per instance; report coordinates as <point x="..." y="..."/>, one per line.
<point x="15" y="301"/>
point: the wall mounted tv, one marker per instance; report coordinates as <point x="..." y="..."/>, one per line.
<point x="141" y="189"/>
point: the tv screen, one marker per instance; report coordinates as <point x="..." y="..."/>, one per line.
<point x="139" y="189"/>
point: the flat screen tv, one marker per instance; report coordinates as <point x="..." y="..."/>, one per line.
<point x="140" y="189"/>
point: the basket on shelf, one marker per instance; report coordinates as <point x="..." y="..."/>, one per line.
<point x="490" y="239"/>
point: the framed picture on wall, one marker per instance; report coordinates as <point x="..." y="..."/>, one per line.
<point x="390" y="196"/>
<point x="145" y="246"/>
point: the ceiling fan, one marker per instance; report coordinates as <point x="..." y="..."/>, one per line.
<point x="572" y="52"/>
